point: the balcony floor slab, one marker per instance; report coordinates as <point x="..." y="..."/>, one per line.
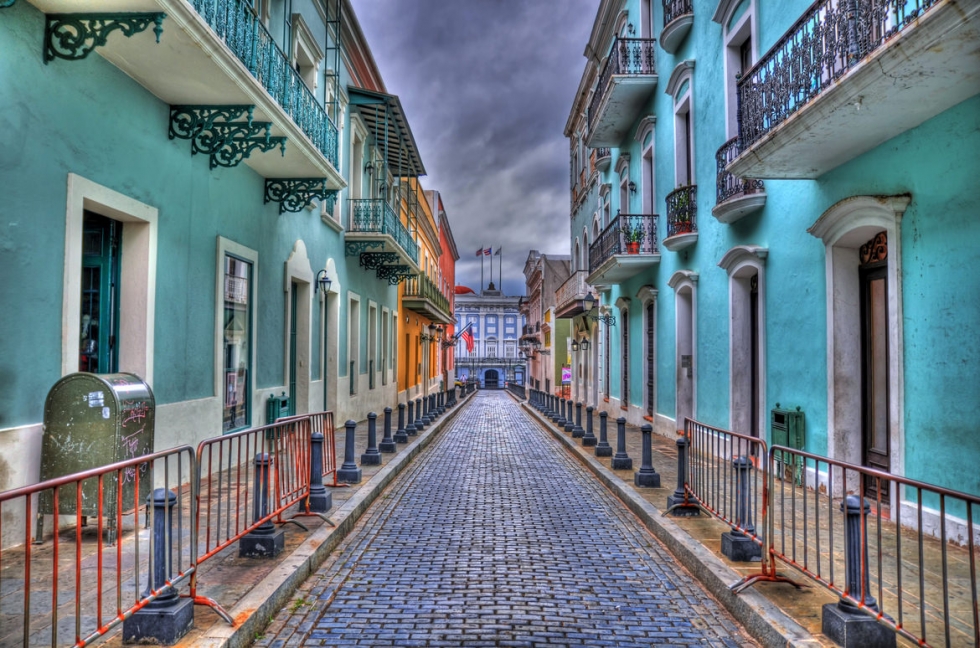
<point x="930" y="66"/>
<point x="738" y="207"/>
<point x="622" y="267"/>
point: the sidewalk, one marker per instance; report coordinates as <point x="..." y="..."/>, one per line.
<point x="250" y="589"/>
<point x="774" y="613"/>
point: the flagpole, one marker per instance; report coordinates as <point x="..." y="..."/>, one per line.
<point x="481" y="269"/>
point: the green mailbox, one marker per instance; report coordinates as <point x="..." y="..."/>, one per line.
<point x="788" y="429"/>
<point x="93" y="420"/>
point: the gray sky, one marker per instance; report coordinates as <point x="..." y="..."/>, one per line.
<point x="487" y="86"/>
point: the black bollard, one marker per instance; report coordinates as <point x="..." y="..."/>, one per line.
<point x="647" y="476"/>
<point x="622" y="460"/>
<point x="677" y="504"/>
<point x="400" y="435"/>
<point x="843" y="622"/>
<point x="561" y="420"/>
<point x="577" y="431"/>
<point x="589" y="439"/>
<point x="371" y="456"/>
<point x="387" y="443"/>
<point x="569" y="417"/>
<point x="168" y="617"/>
<point x="349" y="473"/>
<point x="265" y="540"/>
<point x="603" y="449"/>
<point x="410" y="429"/>
<point x="319" y="500"/>
<point x="433" y="410"/>
<point x="734" y="544"/>
<point x="419" y="420"/>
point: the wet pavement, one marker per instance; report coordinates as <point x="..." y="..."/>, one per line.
<point x="496" y="537"/>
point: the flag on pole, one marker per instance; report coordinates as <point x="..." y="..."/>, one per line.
<point x="479" y="252"/>
<point x="488" y="251"/>
<point x="467" y="337"/>
<point x="497" y="253"/>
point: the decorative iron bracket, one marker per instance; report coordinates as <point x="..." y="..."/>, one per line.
<point x="395" y="274"/>
<point x="356" y="248"/>
<point x="227" y="142"/>
<point x="295" y="194"/>
<point x="608" y="320"/>
<point x="374" y="260"/>
<point x="74" y="36"/>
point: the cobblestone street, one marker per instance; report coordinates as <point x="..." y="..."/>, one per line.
<point x="495" y="537"/>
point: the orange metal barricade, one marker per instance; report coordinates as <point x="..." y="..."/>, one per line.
<point x="915" y="576"/>
<point x="91" y="578"/>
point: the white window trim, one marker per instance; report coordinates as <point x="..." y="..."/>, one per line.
<point x="138" y="274"/>
<point x="843" y="228"/>
<point x="227" y="247"/>
<point x="744" y="28"/>
<point x="353" y="340"/>
<point x="647" y="295"/>
<point x="305" y="46"/>
<point x="683" y="104"/>
<point x="685" y="281"/>
<point x="299" y="270"/>
<point x="741" y="262"/>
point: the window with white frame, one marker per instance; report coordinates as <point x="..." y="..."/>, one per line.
<point x="306" y="55"/>
<point x="680" y="87"/>
<point x="623" y="170"/>
<point x="738" y="22"/>
<point x="353" y="340"/>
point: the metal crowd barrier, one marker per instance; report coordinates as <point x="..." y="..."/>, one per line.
<point x="916" y="574"/>
<point x="106" y="586"/>
<point x="726" y="475"/>
<point x="231" y="475"/>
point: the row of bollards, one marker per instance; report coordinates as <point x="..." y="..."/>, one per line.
<point x="169" y="616"/>
<point x="843" y="621"/>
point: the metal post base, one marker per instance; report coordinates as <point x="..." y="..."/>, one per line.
<point x="603" y="450"/>
<point x="678" y="507"/>
<point x="164" y="624"/>
<point x="649" y="479"/>
<point x="262" y="544"/>
<point x="349" y="475"/>
<point x="320" y="501"/>
<point x="622" y="463"/>
<point x="740" y="548"/>
<point x="854" y="629"/>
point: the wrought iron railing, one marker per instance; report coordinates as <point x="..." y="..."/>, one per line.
<point x="628" y="56"/>
<point x="830" y="38"/>
<point x="682" y="210"/>
<point x="234" y="22"/>
<point x="674" y="9"/>
<point x="729" y="185"/>
<point x="625" y="228"/>
<point x="421" y="287"/>
<point x="376" y="215"/>
<point x="573" y="289"/>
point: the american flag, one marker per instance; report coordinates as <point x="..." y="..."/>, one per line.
<point x="467" y="336"/>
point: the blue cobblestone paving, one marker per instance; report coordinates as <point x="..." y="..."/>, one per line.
<point x="495" y="537"/>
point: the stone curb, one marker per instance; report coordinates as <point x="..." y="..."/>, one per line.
<point x="273" y="592"/>
<point x="764" y="620"/>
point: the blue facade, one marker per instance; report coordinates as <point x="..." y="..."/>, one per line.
<point x="750" y="293"/>
<point x="218" y="281"/>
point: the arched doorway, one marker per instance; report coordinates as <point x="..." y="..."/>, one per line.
<point x="491" y="379"/>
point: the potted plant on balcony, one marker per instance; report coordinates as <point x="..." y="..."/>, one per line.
<point x="682" y="211"/>
<point x="633" y="235"/>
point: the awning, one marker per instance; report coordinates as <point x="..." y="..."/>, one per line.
<point x="384" y="117"/>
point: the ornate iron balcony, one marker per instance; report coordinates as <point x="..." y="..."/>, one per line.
<point x="674" y="9"/>
<point x="375" y="215"/>
<point x="731" y="186"/>
<point x="829" y="39"/>
<point x="628" y="56"/>
<point x="245" y="35"/>
<point x="625" y="228"/>
<point x="682" y="211"/>
<point x="421" y="287"/>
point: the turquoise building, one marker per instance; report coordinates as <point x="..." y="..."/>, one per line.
<point x="213" y="196"/>
<point x="799" y="186"/>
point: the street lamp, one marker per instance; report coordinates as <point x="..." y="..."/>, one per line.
<point x="590" y="304"/>
<point x="323" y="287"/>
<point x="575" y="345"/>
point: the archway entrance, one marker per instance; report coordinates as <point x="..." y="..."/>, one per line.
<point x="491" y="379"/>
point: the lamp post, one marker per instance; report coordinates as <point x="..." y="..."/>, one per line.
<point x="322" y="288"/>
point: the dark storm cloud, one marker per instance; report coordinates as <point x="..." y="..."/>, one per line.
<point x="487" y="86"/>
